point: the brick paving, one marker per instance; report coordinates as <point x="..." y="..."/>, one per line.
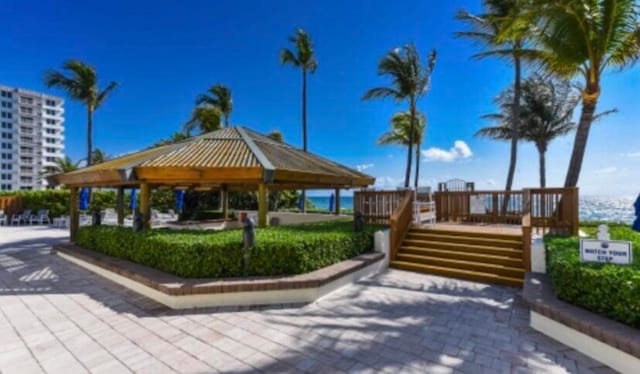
<point x="58" y="318"/>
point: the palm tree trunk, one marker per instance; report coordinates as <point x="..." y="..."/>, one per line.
<point x="515" y="123"/>
<point x="412" y="108"/>
<point x="415" y="181"/>
<point x="580" y="143"/>
<point x="304" y="129"/>
<point x="89" y="134"/>
<point x="543" y="169"/>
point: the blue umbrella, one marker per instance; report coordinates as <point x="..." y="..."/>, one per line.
<point x="636" y="224"/>
<point x="84" y="198"/>
<point x="179" y="200"/>
<point x="331" y="201"/>
<point x="132" y="200"/>
<point x="301" y="202"/>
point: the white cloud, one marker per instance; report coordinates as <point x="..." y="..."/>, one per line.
<point x="387" y="183"/>
<point x="459" y="151"/>
<point x="491" y="182"/>
<point x="612" y="171"/>
<point x="364" y="167"/>
<point x="633" y="154"/>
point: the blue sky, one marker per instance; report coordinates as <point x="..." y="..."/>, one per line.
<point x="163" y="56"/>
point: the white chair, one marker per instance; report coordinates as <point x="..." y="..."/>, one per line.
<point x="4" y="219"/>
<point x="109" y="216"/>
<point x="85" y="219"/>
<point x="25" y="217"/>
<point x="61" y="221"/>
<point x="40" y="218"/>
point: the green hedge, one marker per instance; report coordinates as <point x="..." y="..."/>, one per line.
<point x="606" y="289"/>
<point x="282" y="250"/>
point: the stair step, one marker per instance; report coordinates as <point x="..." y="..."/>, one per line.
<point x="509" y="271"/>
<point x="465" y="256"/>
<point x="480" y="249"/>
<point x="459" y="238"/>
<point x="458" y="273"/>
<point x="467" y="233"/>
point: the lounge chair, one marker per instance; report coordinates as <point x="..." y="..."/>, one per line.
<point x="18" y="218"/>
<point x="85" y="219"/>
<point x="40" y="218"/>
<point x="109" y="216"/>
<point x="4" y="219"/>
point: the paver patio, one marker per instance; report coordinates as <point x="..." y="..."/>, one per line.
<point x="57" y="317"/>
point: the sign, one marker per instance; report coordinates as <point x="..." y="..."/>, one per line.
<point x="606" y="251"/>
<point x="476" y="205"/>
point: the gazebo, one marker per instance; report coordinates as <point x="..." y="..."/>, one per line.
<point x="233" y="158"/>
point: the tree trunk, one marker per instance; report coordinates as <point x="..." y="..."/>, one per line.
<point x="515" y="124"/>
<point x="304" y="129"/>
<point x="89" y="134"/>
<point x="543" y="170"/>
<point x="580" y="143"/>
<point x="412" y="108"/>
<point x="415" y="182"/>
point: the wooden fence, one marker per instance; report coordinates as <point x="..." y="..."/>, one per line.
<point x="552" y="210"/>
<point x="400" y="222"/>
<point x="11" y="204"/>
<point x="377" y="206"/>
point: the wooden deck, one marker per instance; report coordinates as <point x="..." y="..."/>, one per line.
<point x="477" y="228"/>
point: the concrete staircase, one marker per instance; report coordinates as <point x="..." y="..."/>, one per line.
<point x="473" y="255"/>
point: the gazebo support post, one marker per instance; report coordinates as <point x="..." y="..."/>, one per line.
<point x="120" y="206"/>
<point x="337" y="202"/>
<point x="225" y="201"/>
<point x="145" y="206"/>
<point x="262" y="205"/>
<point x="74" y="218"/>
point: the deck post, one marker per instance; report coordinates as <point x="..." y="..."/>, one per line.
<point x="526" y="229"/>
<point x="262" y="205"/>
<point x="145" y="205"/>
<point x="337" y="202"/>
<point x="74" y="218"/>
<point x="120" y="205"/>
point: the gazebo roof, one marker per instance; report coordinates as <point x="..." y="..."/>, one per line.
<point x="235" y="156"/>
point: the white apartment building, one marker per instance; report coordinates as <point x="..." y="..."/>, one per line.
<point x="31" y="137"/>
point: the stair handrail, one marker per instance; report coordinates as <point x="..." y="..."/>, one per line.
<point x="400" y="222"/>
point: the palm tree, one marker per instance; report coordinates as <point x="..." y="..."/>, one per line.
<point x="409" y="81"/>
<point x="99" y="156"/>
<point x="505" y="39"/>
<point x="81" y="85"/>
<point x="217" y="96"/>
<point x="204" y="119"/>
<point x="276" y="135"/>
<point x="585" y="38"/>
<point x="546" y="111"/>
<point x="62" y="165"/>
<point x="400" y="135"/>
<point x="176" y="137"/>
<point x="304" y="58"/>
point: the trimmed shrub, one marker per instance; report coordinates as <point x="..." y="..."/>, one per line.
<point x="606" y="289"/>
<point x="283" y="250"/>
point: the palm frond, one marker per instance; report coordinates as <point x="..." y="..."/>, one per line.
<point x="383" y="92"/>
<point x="102" y="95"/>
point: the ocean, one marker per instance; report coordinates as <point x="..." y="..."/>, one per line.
<point x="592" y="208"/>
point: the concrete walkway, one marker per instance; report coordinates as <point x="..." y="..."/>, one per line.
<point x="58" y="318"/>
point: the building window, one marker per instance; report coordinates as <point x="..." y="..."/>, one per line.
<point x="51" y="121"/>
<point x="50" y="159"/>
<point x="7" y="135"/>
<point x="7" y="146"/>
<point x="26" y="100"/>
<point x="50" y="102"/>
<point x="50" y="150"/>
<point x="26" y="119"/>
<point x="6" y="94"/>
<point x="50" y="112"/>
<point x="7" y="104"/>
<point x="26" y="110"/>
<point x="26" y="170"/>
<point x="7" y="167"/>
<point x="5" y="177"/>
<point x="6" y="115"/>
<point x="7" y="125"/>
<point x="7" y="156"/>
<point x="26" y="160"/>
<point x="50" y="131"/>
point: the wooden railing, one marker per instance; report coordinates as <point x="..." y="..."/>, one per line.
<point x="11" y="204"/>
<point x="400" y="222"/>
<point x="549" y="209"/>
<point x="377" y="206"/>
<point x="526" y="230"/>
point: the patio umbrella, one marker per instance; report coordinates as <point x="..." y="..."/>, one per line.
<point x="331" y="201"/>
<point x="132" y="200"/>
<point x="84" y="198"/>
<point x="179" y="200"/>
